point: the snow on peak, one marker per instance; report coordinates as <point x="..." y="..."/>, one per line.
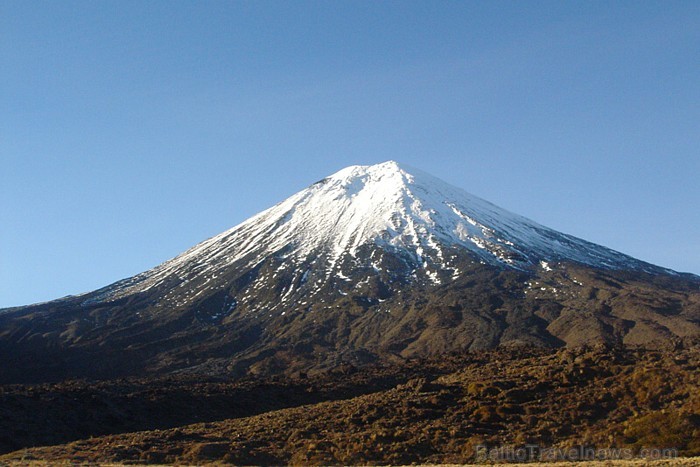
<point x="392" y="206"/>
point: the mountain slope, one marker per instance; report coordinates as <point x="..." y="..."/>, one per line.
<point x="373" y="262"/>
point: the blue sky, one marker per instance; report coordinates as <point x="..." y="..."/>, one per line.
<point x="131" y="130"/>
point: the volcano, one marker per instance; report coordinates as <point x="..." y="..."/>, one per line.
<point x="372" y="263"/>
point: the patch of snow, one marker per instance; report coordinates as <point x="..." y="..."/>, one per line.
<point x="433" y="276"/>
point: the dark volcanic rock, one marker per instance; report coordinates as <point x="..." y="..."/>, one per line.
<point x="375" y="264"/>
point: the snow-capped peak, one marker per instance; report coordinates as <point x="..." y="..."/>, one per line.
<point x="389" y="205"/>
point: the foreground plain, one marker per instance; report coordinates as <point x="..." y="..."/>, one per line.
<point x="420" y="411"/>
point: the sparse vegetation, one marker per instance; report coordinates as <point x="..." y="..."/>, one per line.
<point x="418" y="411"/>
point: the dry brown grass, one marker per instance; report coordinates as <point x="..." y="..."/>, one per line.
<point x="604" y="397"/>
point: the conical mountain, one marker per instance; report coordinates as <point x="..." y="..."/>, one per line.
<point x="393" y="208"/>
<point x="372" y="262"/>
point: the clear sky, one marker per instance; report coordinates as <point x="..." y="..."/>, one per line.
<point x="132" y="130"/>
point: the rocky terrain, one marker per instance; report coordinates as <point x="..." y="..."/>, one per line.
<point x="484" y="308"/>
<point x="419" y="411"/>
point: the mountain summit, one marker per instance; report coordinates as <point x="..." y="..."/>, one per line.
<point x="372" y="262"/>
